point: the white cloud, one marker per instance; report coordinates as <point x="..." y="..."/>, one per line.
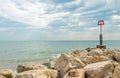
<point x="118" y="25"/>
<point x="76" y="15"/>
<point x="76" y="35"/>
<point x="116" y="17"/>
<point x="112" y="36"/>
<point x="72" y="3"/>
<point x="91" y="28"/>
<point x="81" y="23"/>
<point x="31" y="14"/>
<point x="3" y="29"/>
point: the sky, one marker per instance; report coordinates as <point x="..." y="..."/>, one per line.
<point x="59" y="19"/>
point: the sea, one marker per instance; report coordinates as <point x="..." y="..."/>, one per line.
<point x="13" y="53"/>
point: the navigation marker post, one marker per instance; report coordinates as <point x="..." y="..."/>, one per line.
<point x="101" y="23"/>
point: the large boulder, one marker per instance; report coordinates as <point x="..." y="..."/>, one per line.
<point x="116" y="73"/>
<point x="79" y="53"/>
<point x="75" y="73"/>
<point x="26" y="67"/>
<point x="38" y="73"/>
<point x="1" y="76"/>
<point x="95" y="59"/>
<point x="66" y="62"/>
<point x="102" y="52"/>
<point x="109" y="53"/>
<point x="99" y="70"/>
<point x="8" y="73"/>
<point x="82" y="55"/>
<point x="115" y="63"/>
<point x="117" y="55"/>
<point x="94" y="55"/>
<point x="96" y="52"/>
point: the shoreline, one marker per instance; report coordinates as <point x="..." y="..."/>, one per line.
<point x="81" y="62"/>
<point x="15" y="62"/>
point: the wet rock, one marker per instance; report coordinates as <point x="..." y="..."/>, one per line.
<point x="26" y="67"/>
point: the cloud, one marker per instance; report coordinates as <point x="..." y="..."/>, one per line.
<point x="61" y="1"/>
<point x="31" y="14"/>
<point x="3" y="29"/>
<point x="59" y="19"/>
<point x="91" y="28"/>
<point x="116" y="17"/>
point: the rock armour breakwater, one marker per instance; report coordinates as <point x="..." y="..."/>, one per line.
<point x="87" y="63"/>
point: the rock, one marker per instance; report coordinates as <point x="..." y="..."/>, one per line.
<point x="77" y="73"/>
<point x="38" y="73"/>
<point x="82" y="55"/>
<point x="95" y="59"/>
<point x="88" y="49"/>
<point x="79" y="53"/>
<point x="96" y="52"/>
<point x="115" y="63"/>
<point x="1" y="76"/>
<point x="51" y="64"/>
<point x="66" y="62"/>
<point x="109" y="53"/>
<point x="95" y="55"/>
<point x="26" y="67"/>
<point x="116" y="73"/>
<point x="117" y="56"/>
<point x="8" y="73"/>
<point x="99" y="70"/>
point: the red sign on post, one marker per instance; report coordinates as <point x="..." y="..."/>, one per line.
<point x="101" y="22"/>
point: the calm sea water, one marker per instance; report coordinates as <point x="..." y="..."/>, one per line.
<point x="14" y="52"/>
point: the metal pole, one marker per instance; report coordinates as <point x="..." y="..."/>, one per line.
<point x="101" y="23"/>
<point x="100" y="29"/>
<point x="101" y="39"/>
